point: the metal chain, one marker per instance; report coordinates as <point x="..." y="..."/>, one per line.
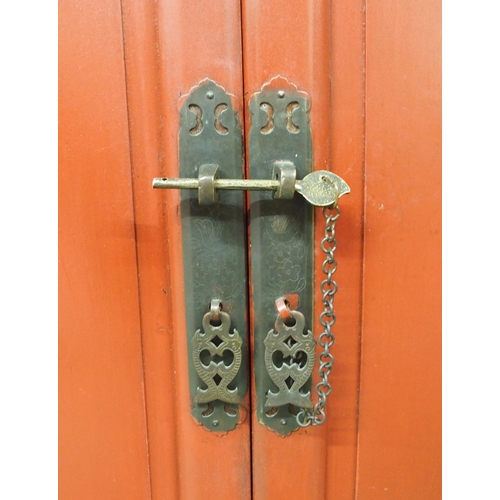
<point x="327" y="318"/>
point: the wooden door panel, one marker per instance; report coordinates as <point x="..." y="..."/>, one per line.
<point x="102" y="420"/>
<point x="145" y="127"/>
<point x="400" y="392"/>
<point x="170" y="47"/>
<point x="347" y="152"/>
<point x="294" y="40"/>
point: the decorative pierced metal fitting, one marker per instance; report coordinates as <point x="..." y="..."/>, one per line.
<point x="217" y="343"/>
<point x="214" y="256"/>
<point x="289" y="358"/>
<point x="217" y="359"/>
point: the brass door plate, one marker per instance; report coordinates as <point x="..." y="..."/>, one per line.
<point x="281" y="234"/>
<point x="214" y="251"/>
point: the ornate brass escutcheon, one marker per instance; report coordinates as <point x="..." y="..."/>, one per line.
<point x="281" y="230"/>
<point x="216" y="342"/>
<point x="215" y="256"/>
<point x="289" y="360"/>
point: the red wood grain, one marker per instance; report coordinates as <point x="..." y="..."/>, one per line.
<point x="347" y="151"/>
<point x="145" y="125"/>
<point x="297" y="40"/>
<point x="196" y="40"/>
<point x="400" y="409"/>
<point x="102" y="422"/>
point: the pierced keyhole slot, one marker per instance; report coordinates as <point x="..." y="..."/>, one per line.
<point x="230" y="411"/>
<point x="205" y="358"/>
<point x="278" y="359"/>
<point x="219" y="110"/>
<point x="300" y="359"/>
<point x="272" y="412"/>
<point x="228" y="357"/>
<point x="209" y="410"/>
<point x="216" y="341"/>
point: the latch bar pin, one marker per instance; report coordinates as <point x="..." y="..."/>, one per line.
<point x="320" y="188"/>
<point x="227" y="184"/>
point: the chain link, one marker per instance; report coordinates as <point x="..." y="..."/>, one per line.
<point x="327" y="319"/>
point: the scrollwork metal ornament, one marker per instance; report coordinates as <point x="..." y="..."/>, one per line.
<point x="217" y="375"/>
<point x="289" y="358"/>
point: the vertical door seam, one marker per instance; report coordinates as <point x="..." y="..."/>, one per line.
<point x="363" y="239"/>
<point x="136" y="250"/>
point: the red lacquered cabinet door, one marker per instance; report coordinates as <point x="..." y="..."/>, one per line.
<point x="371" y="71"/>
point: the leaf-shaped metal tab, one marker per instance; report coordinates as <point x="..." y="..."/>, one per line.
<point x="322" y="188"/>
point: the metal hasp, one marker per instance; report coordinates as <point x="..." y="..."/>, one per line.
<point x="215" y="260"/>
<point x="281" y="233"/>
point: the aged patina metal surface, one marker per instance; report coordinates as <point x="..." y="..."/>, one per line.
<point x="281" y="231"/>
<point x="214" y="246"/>
<point x="216" y="342"/>
<point x="289" y="357"/>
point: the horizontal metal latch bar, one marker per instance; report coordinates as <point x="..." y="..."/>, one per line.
<point x="227" y="184"/>
<point x="320" y="188"/>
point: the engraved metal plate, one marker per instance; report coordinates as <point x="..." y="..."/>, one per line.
<point x="281" y="231"/>
<point x="214" y="244"/>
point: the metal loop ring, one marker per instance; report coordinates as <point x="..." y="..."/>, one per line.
<point x="283" y="308"/>
<point x="215" y="308"/>
<point x="306" y="419"/>
<point x="322" y="245"/>
<point x="326" y="342"/>
<point x="333" y="266"/>
<point x="324" y="370"/>
<point x="326" y="313"/>
<point x="324" y="284"/>
<point x="321" y="388"/>
<point x="320" y="417"/>
<point x="323" y="355"/>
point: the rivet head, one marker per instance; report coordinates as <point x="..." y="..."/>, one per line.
<point x="281" y="94"/>
<point x="283" y="421"/>
<point x="215" y="423"/>
<point x="210" y="95"/>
